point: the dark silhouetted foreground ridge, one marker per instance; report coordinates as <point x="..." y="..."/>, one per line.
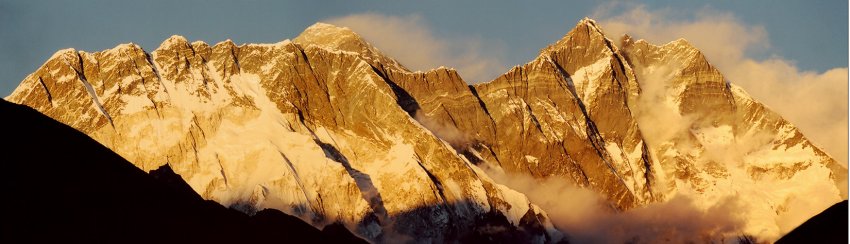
<point x="830" y="226"/>
<point x="62" y="186"/>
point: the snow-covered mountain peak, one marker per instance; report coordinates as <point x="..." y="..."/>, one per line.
<point x="343" y="39"/>
<point x="63" y="54"/>
<point x="332" y="37"/>
<point x="122" y="49"/>
<point x="177" y="43"/>
<point x="585" y="31"/>
<point x="681" y="48"/>
<point x="325" y="29"/>
<point x="681" y="42"/>
<point x="173" y="41"/>
<point x="328" y="128"/>
<point x="225" y="46"/>
<point x="588" y="22"/>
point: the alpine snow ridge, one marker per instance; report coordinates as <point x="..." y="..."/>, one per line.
<point x="327" y="128"/>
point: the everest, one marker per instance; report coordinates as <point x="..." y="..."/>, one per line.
<point x="327" y="128"/>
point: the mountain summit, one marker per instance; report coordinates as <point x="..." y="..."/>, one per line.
<point x="327" y="128"/>
<point x="344" y="39"/>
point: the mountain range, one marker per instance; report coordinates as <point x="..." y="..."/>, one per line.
<point x="327" y="128"/>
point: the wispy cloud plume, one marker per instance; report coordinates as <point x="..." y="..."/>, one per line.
<point x="816" y="102"/>
<point x="409" y="40"/>
<point x="447" y="132"/>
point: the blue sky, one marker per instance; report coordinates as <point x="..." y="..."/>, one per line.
<point x="811" y="34"/>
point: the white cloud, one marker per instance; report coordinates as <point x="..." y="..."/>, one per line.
<point x="409" y="40"/>
<point x="813" y="101"/>
<point x="585" y="217"/>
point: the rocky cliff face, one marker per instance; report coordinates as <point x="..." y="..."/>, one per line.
<point x="571" y="105"/>
<point x="327" y="128"/>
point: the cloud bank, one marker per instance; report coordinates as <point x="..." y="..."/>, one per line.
<point x="585" y="217"/>
<point x="816" y="102"/>
<point x="661" y="121"/>
<point x="410" y="41"/>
